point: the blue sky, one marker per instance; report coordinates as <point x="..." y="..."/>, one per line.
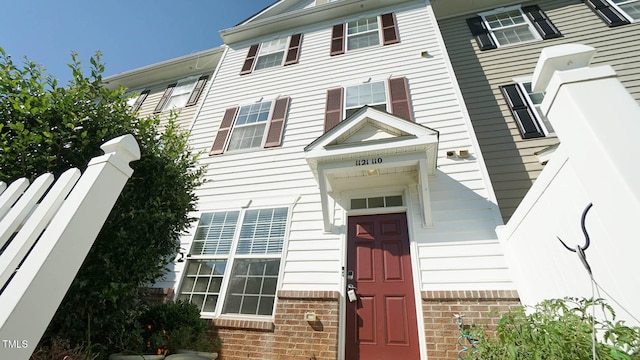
<point x="129" y="33"/>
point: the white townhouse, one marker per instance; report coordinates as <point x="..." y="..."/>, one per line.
<point x="347" y="212"/>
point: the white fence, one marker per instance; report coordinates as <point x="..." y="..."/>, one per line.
<point x="47" y="239"/>
<point x="597" y="122"/>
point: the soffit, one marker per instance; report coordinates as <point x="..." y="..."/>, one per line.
<point x="202" y="62"/>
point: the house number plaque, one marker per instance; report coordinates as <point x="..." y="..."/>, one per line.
<point x="372" y="161"/>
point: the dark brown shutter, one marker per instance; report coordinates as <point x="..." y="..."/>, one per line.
<point x="541" y="22"/>
<point x="293" y="54"/>
<point x="141" y="98"/>
<point x="247" y="67"/>
<point x="389" y="29"/>
<point x="399" y="96"/>
<point x="337" y="40"/>
<point x="165" y="98"/>
<point x="607" y="13"/>
<point x="523" y="115"/>
<point x="481" y="33"/>
<point x="197" y="90"/>
<point x="223" y="131"/>
<point x="276" y="125"/>
<point x="333" y="112"/>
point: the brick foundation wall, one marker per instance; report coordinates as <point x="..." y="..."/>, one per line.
<point x="289" y="336"/>
<point x="481" y="308"/>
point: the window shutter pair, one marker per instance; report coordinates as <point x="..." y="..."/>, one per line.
<point x="141" y="98"/>
<point x="607" y="13"/>
<point x="398" y="96"/>
<point x="522" y="113"/>
<point x="291" y="57"/>
<point x="389" y="34"/>
<point x="193" y="99"/>
<point x="538" y="18"/>
<point x="274" y="133"/>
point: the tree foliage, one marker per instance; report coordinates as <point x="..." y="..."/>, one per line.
<point x="560" y="330"/>
<point x="48" y="128"/>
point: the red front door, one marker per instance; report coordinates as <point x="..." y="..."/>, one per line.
<point x="381" y="323"/>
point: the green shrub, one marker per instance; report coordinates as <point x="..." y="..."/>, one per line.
<point x="560" y="330"/>
<point x="177" y="325"/>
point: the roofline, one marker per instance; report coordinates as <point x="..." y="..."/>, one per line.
<point x="163" y="64"/>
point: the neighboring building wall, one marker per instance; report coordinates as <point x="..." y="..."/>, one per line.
<point x="511" y="161"/>
<point x="185" y="115"/>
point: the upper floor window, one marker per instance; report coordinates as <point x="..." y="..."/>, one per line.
<point x="364" y="33"/>
<point x="372" y="94"/>
<point x="135" y="99"/>
<point x="234" y="261"/>
<point x="251" y="126"/>
<point x="631" y="8"/>
<point x="343" y="102"/>
<point x="183" y="93"/>
<point x="524" y="105"/>
<point x="251" y="122"/>
<point x="616" y="12"/>
<point x="509" y="26"/>
<point x="272" y="53"/>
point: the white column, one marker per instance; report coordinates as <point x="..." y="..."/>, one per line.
<point x="598" y="124"/>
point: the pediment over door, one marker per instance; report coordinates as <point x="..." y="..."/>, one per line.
<point x="373" y="148"/>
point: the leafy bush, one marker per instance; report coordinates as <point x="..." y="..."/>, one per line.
<point x="49" y="128"/>
<point x="560" y="330"/>
<point x="177" y="325"/>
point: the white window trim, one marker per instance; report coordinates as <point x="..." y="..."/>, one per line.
<point x="534" y="107"/>
<point x="384" y="80"/>
<point x="532" y="29"/>
<point x="132" y="96"/>
<point x="194" y="80"/>
<point x="624" y="13"/>
<point x="231" y="257"/>
<point x="378" y="29"/>
<point x="266" y="128"/>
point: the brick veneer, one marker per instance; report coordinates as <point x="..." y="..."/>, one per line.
<point x="289" y="335"/>
<point x="479" y="307"/>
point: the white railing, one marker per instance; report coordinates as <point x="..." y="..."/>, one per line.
<point x="46" y="239"/>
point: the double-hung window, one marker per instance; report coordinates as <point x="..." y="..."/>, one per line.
<point x="365" y="32"/>
<point x="510" y="26"/>
<point x="524" y="105"/>
<point x="234" y="261"/>
<point x="362" y="33"/>
<point x="135" y="99"/>
<point x="278" y="52"/>
<point x="372" y="94"/>
<point x="183" y="93"/>
<point x="252" y="126"/>
<point x="248" y="131"/>
<point x="391" y="95"/>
